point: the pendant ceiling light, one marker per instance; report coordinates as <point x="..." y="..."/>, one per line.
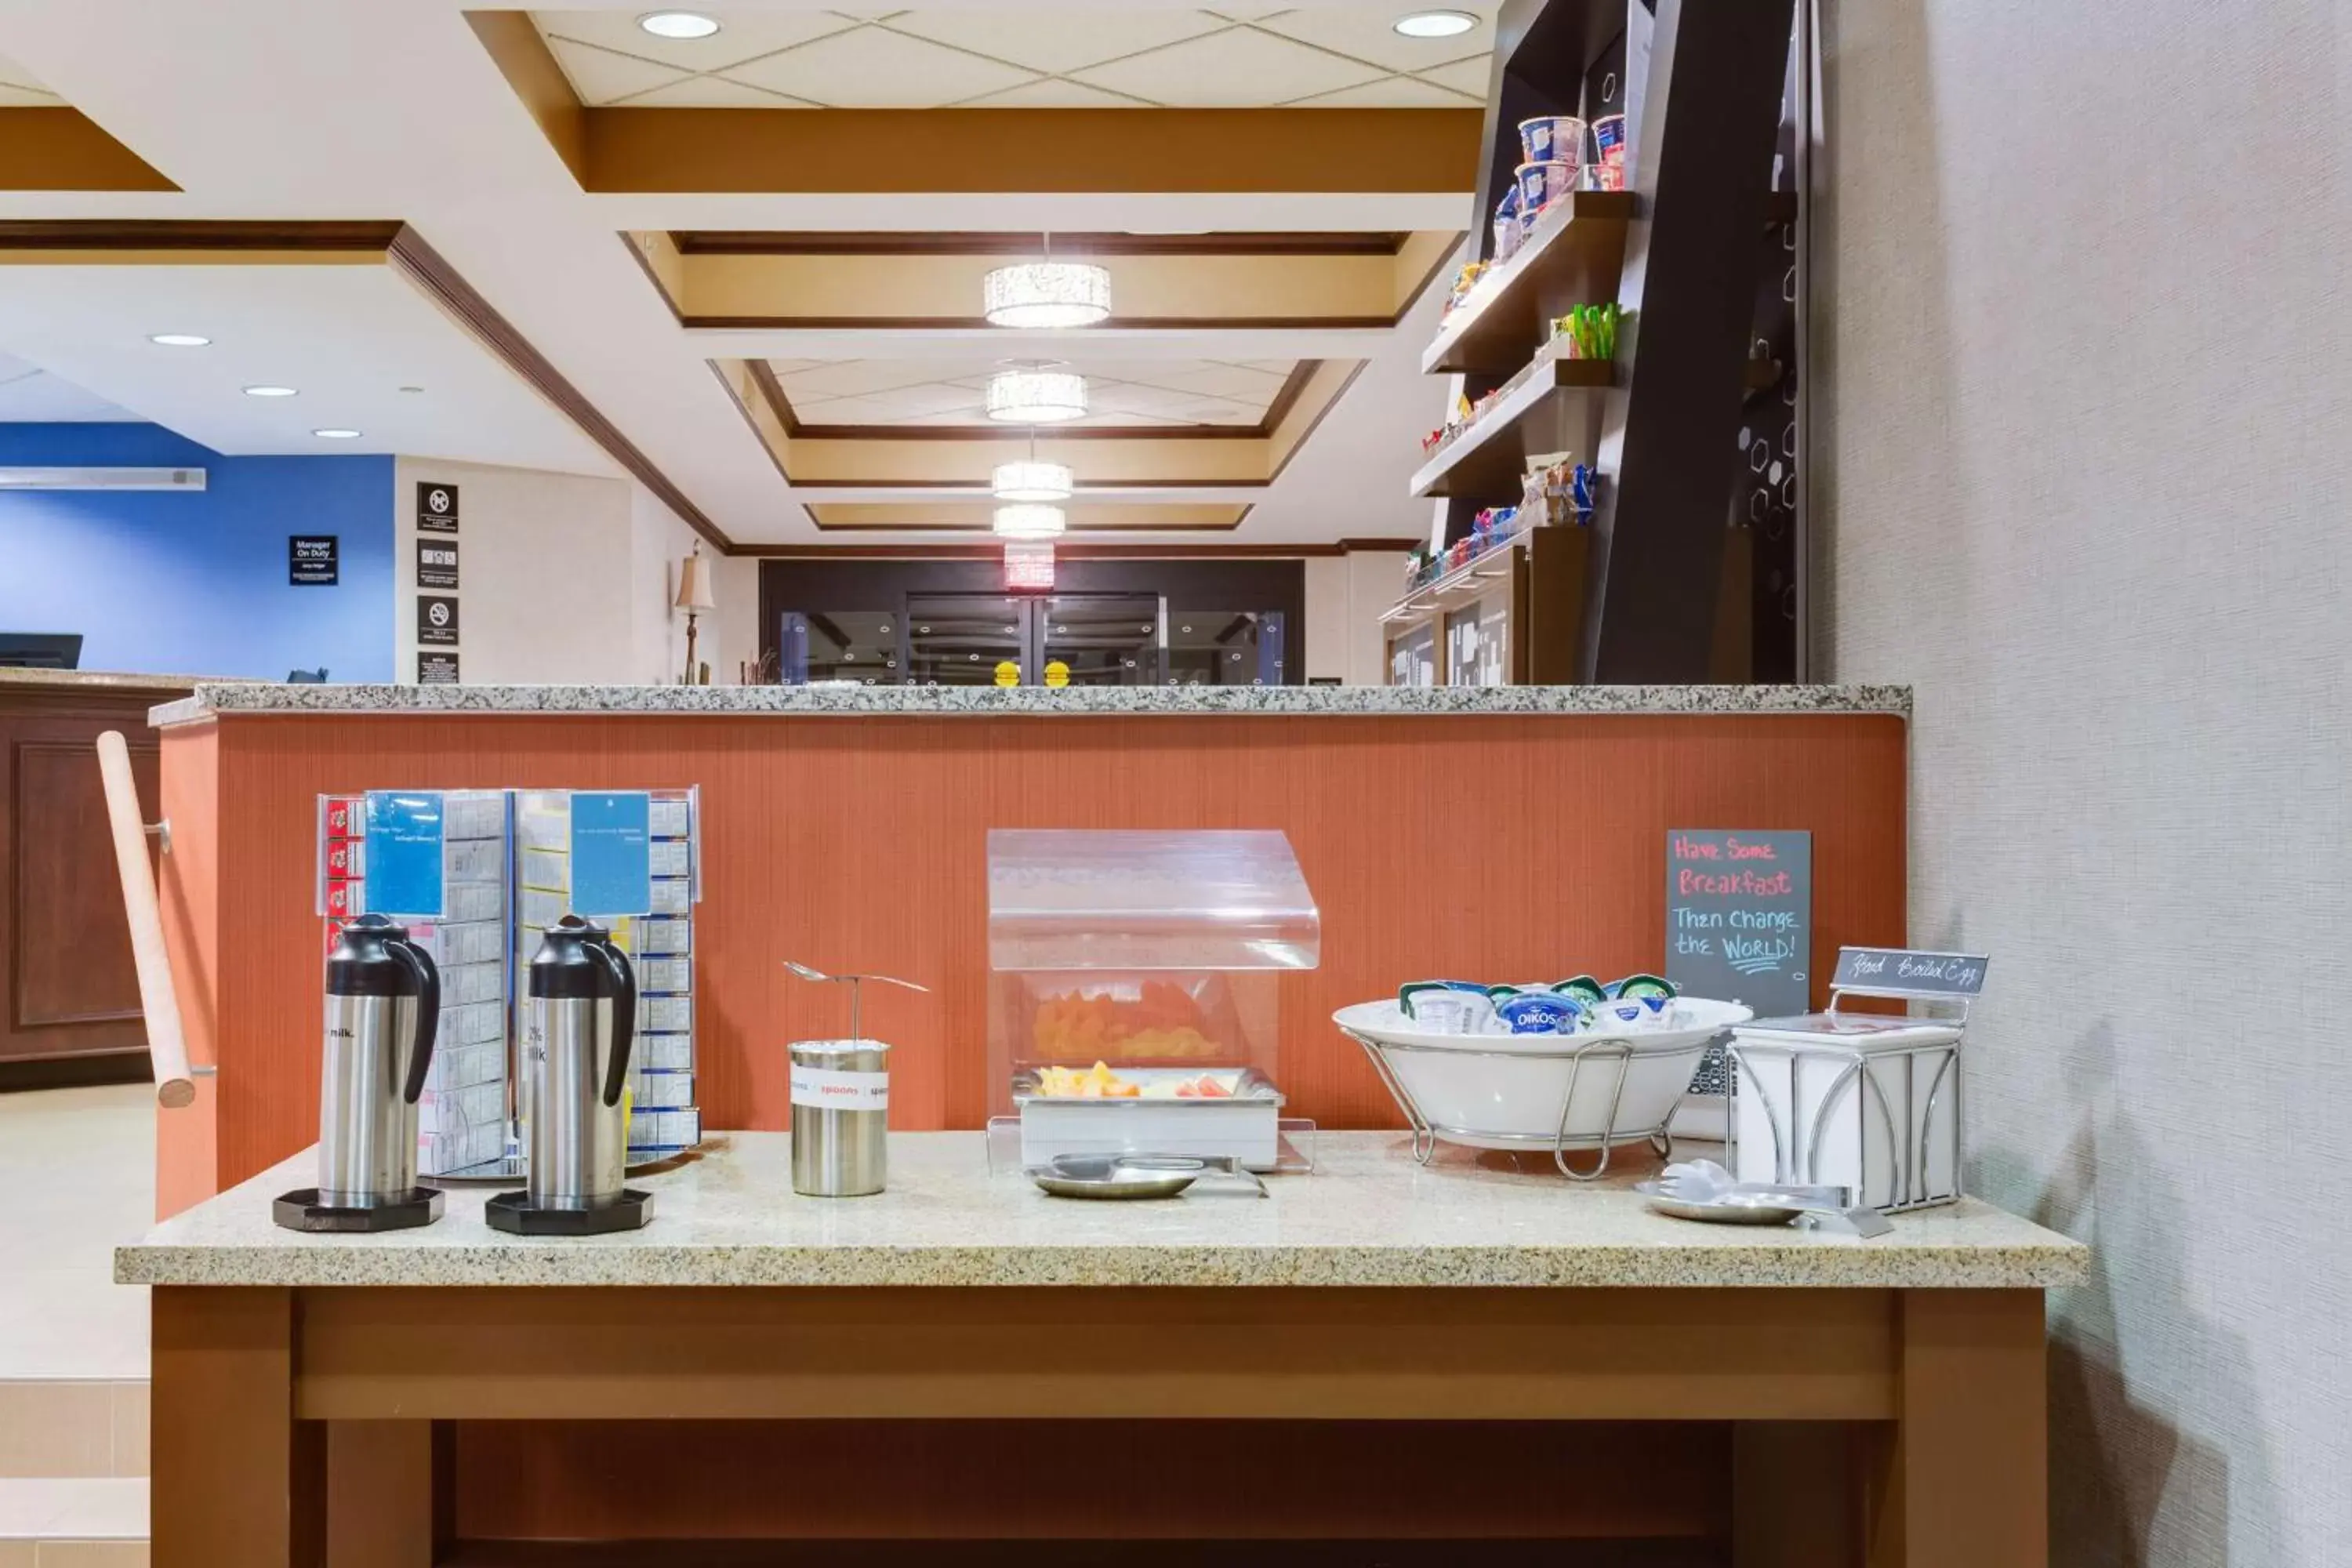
<point x="1035" y="395"/>
<point x="1030" y="521"/>
<point x="1030" y="481"/>
<point x="1046" y="294"/>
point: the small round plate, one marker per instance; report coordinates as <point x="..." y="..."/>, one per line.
<point x="1114" y="1176"/>
<point x="1732" y="1211"/>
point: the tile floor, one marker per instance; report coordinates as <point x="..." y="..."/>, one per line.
<point x="73" y="1523"/>
<point x="78" y="1165"/>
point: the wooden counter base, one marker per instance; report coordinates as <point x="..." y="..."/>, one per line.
<point x="298" y="1427"/>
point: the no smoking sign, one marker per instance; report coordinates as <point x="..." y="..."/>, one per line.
<point x="437" y="618"/>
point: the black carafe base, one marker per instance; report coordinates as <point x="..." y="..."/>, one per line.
<point x="515" y="1214"/>
<point x="301" y="1210"/>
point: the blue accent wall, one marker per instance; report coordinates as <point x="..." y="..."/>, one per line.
<point x="195" y="584"/>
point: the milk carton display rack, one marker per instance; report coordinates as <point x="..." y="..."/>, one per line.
<point x="1869" y="1101"/>
<point x="505" y="877"/>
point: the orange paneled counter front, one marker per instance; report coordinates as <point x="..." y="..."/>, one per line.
<point x="1494" y="833"/>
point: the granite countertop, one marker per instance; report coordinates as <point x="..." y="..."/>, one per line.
<point x="211" y="700"/>
<point x="102" y="679"/>
<point x="1367" y="1216"/>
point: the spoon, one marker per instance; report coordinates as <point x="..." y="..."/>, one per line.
<point x="805" y="972"/>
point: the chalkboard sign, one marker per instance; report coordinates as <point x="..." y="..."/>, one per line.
<point x="1898" y="971"/>
<point x="1740" y="907"/>
<point x="1740" y="920"/>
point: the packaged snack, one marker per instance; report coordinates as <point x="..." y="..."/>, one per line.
<point x="1643" y="985"/>
<point x="1585" y="989"/>
<point x="1446" y="1006"/>
<point x="1540" y="1013"/>
<point x="1635" y="1015"/>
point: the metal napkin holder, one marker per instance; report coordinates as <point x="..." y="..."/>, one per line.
<point x="1749" y="1056"/>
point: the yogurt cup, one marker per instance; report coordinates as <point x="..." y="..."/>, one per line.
<point x="1609" y="152"/>
<point x="1552" y="138"/>
<point x="1540" y="184"/>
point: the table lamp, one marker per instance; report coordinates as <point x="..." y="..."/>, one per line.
<point x="693" y="596"/>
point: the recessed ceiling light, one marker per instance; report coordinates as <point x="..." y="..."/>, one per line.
<point x="678" y="24"/>
<point x="269" y="392"/>
<point x="1435" y="23"/>
<point x="337" y="435"/>
<point x="178" y="339"/>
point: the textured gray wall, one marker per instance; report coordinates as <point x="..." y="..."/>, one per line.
<point x="2083" y="478"/>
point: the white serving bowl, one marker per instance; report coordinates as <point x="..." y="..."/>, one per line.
<point x="1505" y="1092"/>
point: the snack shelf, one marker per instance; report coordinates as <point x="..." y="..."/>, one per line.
<point x="1573" y="254"/>
<point x="1471" y="580"/>
<point x="1489" y="459"/>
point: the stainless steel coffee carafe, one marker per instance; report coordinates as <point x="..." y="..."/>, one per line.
<point x="383" y="1004"/>
<point x="581" y="1024"/>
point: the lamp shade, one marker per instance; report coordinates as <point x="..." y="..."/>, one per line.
<point x="1046" y="294"/>
<point x="1030" y="521"/>
<point x="1036" y="396"/>
<point x="694" y="584"/>
<point x="1030" y="480"/>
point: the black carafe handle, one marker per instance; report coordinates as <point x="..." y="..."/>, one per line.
<point x="428" y="1015"/>
<point x="625" y="1019"/>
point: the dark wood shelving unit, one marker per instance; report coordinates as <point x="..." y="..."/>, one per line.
<point x="1680" y="249"/>
<point x="1573" y="257"/>
<point x="1525" y="600"/>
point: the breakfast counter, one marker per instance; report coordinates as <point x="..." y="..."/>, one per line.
<point x="1504" y="831"/>
<point x="1831" y="1397"/>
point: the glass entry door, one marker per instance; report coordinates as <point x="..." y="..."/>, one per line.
<point x="1055" y="640"/>
<point x="1098" y="639"/>
<point x="964" y="639"/>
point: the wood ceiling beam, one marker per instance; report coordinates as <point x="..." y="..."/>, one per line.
<point x="1061" y="150"/>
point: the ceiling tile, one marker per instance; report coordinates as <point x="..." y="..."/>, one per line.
<point x="1389" y="93"/>
<point x="744" y="35"/>
<point x="1057" y="40"/>
<point x="1470" y="75"/>
<point x="870" y="69"/>
<point x="1052" y="93"/>
<point x="929" y="398"/>
<point x="838" y="411"/>
<point x="712" y="92"/>
<point x="1369" y="34"/>
<point x="28" y="392"/>
<point x="27" y="85"/>
<point x="600" y="76"/>
<point x="1237" y="68"/>
<point x="857" y="377"/>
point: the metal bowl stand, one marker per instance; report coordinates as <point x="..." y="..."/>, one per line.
<point x="1617" y="1052"/>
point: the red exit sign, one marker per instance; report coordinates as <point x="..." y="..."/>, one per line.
<point x="1028" y="566"/>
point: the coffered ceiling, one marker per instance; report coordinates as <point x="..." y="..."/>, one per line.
<point x="770" y="319"/>
<point x="1131" y="395"/>
<point x="1097" y="56"/>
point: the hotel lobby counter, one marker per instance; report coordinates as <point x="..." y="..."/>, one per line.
<point x="212" y="700"/>
<point x="1368" y="1216"/>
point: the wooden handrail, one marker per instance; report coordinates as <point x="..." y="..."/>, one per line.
<point x="175" y="1078"/>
